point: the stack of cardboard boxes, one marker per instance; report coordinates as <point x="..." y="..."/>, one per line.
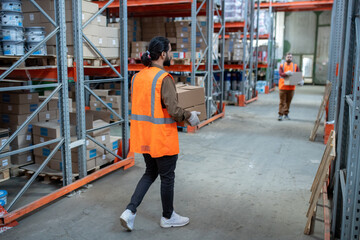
<point x="106" y="39"/>
<point x="95" y="155"/>
<point x="153" y="27"/>
<point x="138" y="48"/>
<point x="111" y="99"/>
<point x="234" y="48"/>
<point x="16" y="107"/>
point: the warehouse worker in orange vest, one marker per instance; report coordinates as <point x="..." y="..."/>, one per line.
<point x="286" y="92"/>
<point x="154" y="133"/>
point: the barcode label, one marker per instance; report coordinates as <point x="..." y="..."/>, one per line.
<point x="28" y="137"/>
<point x="48" y="116"/>
<point x="10" y="108"/>
<point x="103" y="138"/>
<point x="31" y="17"/>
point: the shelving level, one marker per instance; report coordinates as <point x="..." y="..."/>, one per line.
<point x="60" y="76"/>
<point x="212" y="64"/>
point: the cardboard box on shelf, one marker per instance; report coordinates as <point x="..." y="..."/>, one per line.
<point x="51" y="129"/>
<point x="26" y="130"/>
<point x="199" y="108"/>
<point x="110" y="52"/>
<point x="21" y="141"/>
<point x="39" y="160"/>
<point x="101" y="92"/>
<point x="15" y="120"/>
<point x="189" y="96"/>
<point x="109" y="32"/>
<point x="41" y="139"/>
<point x="153" y="19"/>
<point x="32" y="19"/>
<point x="19" y="98"/>
<point x="114" y="143"/>
<point x="92" y="98"/>
<point x="112" y="42"/>
<point x="180" y="34"/>
<point x="18" y="109"/>
<point x="100" y="161"/>
<point x="114" y="105"/>
<point x="47" y="116"/>
<point x="139" y="44"/>
<point x="103" y="139"/>
<point x="113" y="99"/>
<point x="22" y="158"/>
<point x="136" y="55"/>
<point x="5" y="163"/>
<point x="90" y="153"/>
<point x="45" y="152"/>
<point x="96" y="106"/>
<point x="171" y="34"/>
<point x="4" y="136"/>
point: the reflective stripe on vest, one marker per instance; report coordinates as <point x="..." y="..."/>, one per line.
<point x="151" y="119"/>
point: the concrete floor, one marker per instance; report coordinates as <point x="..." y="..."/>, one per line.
<point x="246" y="176"/>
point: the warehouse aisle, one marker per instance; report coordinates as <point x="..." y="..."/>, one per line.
<point x="244" y="177"/>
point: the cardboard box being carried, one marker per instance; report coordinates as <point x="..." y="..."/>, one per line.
<point x="190" y="96"/>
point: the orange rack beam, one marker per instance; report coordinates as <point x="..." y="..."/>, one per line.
<point x="166" y="8"/>
<point x="13" y="215"/>
<point x="300" y="6"/>
<point x="230" y="26"/>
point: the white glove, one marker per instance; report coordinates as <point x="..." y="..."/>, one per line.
<point x="194" y="119"/>
<point x="289" y="73"/>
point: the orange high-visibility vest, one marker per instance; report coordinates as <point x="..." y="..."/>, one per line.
<point x="292" y="67"/>
<point x="152" y="130"/>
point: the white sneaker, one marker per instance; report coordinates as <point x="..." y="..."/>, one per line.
<point x="127" y="219"/>
<point x="175" y="221"/>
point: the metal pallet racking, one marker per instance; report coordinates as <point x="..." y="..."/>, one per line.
<point x="344" y="110"/>
<point x="61" y="76"/>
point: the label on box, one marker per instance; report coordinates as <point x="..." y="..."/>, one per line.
<point x="114" y="42"/>
<point x="29" y="158"/>
<point x="10" y="108"/>
<point x="83" y="16"/>
<point x="5" y="162"/>
<point x="104" y="157"/>
<point x="87" y="142"/>
<point x="110" y="105"/>
<point x="3" y="141"/>
<point x="99" y="19"/>
<point x="6" y="98"/>
<point x="46" y="152"/>
<point x="103" y="138"/>
<point x="44" y="132"/>
<point x="98" y="109"/>
<point x="95" y="104"/>
<point x="111" y="99"/>
<point x="100" y="40"/>
<point x="5" y="118"/>
<point x="28" y="137"/>
<point x="42" y="139"/>
<point x="33" y="107"/>
<point x="31" y="16"/>
<point x="48" y="116"/>
<point x="29" y="96"/>
<point x="92" y="153"/>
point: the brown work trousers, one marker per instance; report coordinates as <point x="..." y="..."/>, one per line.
<point x="285" y="100"/>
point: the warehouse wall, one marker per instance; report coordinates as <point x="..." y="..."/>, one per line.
<point x="300" y="34"/>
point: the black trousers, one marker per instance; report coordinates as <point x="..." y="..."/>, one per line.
<point x="165" y="167"/>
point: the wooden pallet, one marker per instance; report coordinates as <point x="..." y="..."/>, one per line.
<point x="321" y="111"/>
<point x="98" y="62"/>
<point x="4" y="175"/>
<point x="15" y="170"/>
<point x="7" y="61"/>
<point x="320" y="178"/>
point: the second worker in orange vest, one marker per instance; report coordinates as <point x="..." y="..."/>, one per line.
<point x="286" y="92"/>
<point x="153" y="131"/>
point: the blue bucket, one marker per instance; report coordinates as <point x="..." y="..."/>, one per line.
<point x="3" y="197"/>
